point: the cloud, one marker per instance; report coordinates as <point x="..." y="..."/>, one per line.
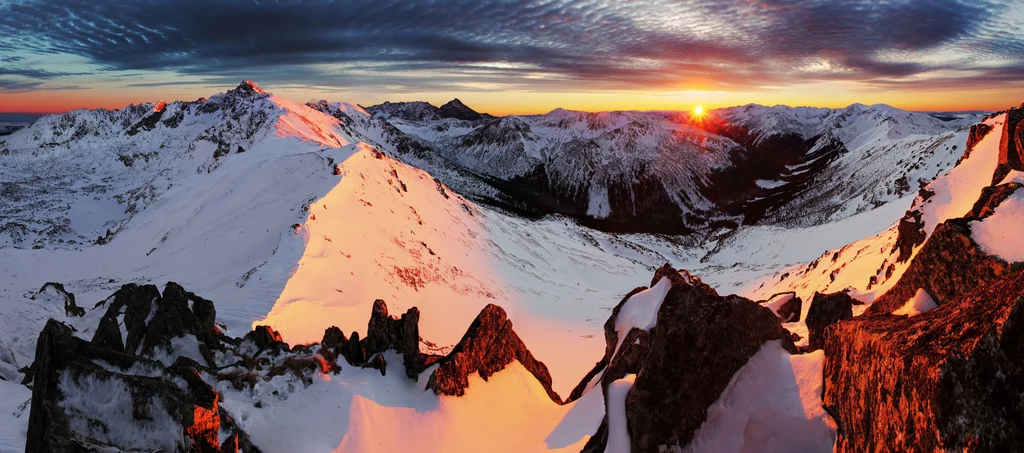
<point x="529" y="45"/>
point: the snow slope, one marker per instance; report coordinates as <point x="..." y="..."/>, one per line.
<point x="299" y="217"/>
<point x="854" y="265"/>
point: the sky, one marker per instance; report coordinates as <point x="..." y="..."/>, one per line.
<point x="517" y="57"/>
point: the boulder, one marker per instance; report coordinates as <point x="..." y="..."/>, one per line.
<point x="488" y="346"/>
<point x="790" y="310"/>
<point x="951" y="379"/>
<point x="825" y="310"/>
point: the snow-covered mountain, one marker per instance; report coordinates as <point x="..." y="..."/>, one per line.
<point x="740" y="165"/>
<point x="289" y="225"/>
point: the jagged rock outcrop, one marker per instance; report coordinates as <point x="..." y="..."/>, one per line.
<point x="143" y="409"/>
<point x="949" y="265"/>
<point x="489" y="345"/>
<point x="910" y="234"/>
<point x="951" y="379"/>
<point x="990" y="198"/>
<point x="826" y="310"/>
<point x="153" y="322"/>
<point x="265" y="338"/>
<point x="1011" y="148"/>
<point x="684" y="363"/>
<point x="57" y="291"/>
<point x="384" y="332"/>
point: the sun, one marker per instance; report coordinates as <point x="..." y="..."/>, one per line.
<point x="698" y="110"/>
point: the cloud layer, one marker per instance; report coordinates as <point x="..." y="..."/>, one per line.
<point x="536" y="45"/>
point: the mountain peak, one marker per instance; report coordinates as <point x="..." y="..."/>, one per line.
<point x="456" y="109"/>
<point x="247" y="88"/>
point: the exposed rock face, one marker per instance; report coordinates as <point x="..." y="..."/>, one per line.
<point x="401" y="334"/>
<point x="978" y="132"/>
<point x="825" y="310"/>
<point x="699" y="343"/>
<point x="790" y="311"/>
<point x="990" y="198"/>
<point x="1011" y="148"/>
<point x="684" y="363"/>
<point x="949" y="265"/>
<point x="175" y="315"/>
<point x="910" y="234"/>
<point x="624" y="362"/>
<point x="57" y="289"/>
<point x="488" y="346"/>
<point x="66" y="369"/>
<point x="951" y="379"/>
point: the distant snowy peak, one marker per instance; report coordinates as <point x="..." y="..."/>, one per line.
<point x="425" y="111"/>
<point x="240" y="117"/>
<point x="846" y="124"/>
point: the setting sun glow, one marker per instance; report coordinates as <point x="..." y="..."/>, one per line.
<point x="698" y="110"/>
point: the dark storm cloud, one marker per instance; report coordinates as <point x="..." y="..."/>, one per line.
<point x="607" y="44"/>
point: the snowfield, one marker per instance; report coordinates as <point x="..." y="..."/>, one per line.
<point x="287" y="216"/>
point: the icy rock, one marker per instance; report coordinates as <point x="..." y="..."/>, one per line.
<point x="825" y="310"/>
<point x="51" y="289"/>
<point x="947" y="380"/>
<point x="685" y="362"/>
<point x="87" y="398"/>
<point x="263" y="338"/>
<point x="488" y="346"/>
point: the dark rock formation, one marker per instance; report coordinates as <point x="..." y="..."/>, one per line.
<point x="624" y="362"/>
<point x="790" y="310"/>
<point x="683" y="364"/>
<point x="334" y="339"/>
<point x="108" y="335"/>
<point x="378" y="363"/>
<point x="263" y="338"/>
<point x="456" y="109"/>
<point x="910" y="234"/>
<point x="825" y="310"/>
<point x="698" y="344"/>
<point x="978" y="132"/>
<point x="951" y="379"/>
<point x="949" y="265"/>
<point x="66" y="365"/>
<point x="70" y="308"/>
<point x="488" y="346"/>
<point x="1011" y="150"/>
<point x="401" y="334"/>
<point x="990" y="198"/>
<point x="683" y="277"/>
